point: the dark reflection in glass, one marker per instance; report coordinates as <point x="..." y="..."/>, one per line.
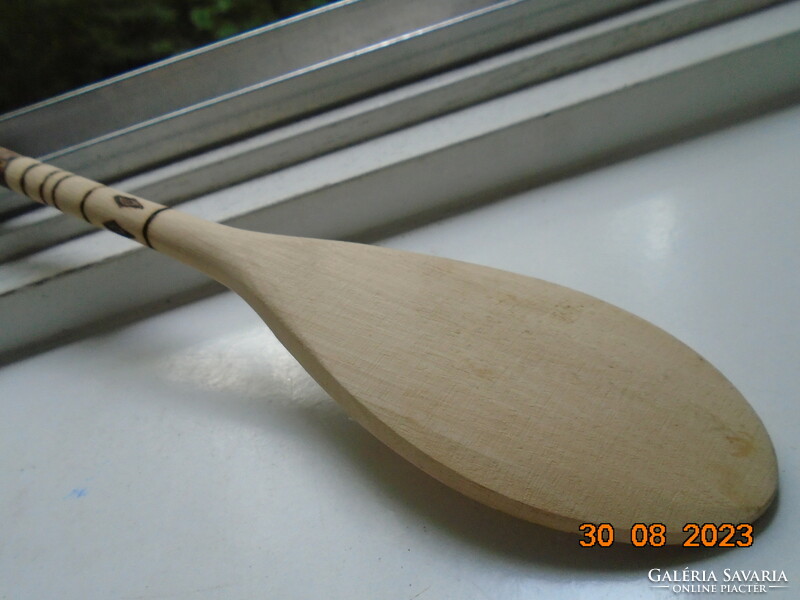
<point x="48" y="47"/>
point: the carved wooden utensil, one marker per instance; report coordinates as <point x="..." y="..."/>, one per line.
<point x="532" y="398"/>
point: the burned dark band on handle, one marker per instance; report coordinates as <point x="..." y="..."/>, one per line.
<point x="82" y="205"/>
<point x="53" y="198"/>
<point x="147" y="223"/>
<point x="44" y="182"/>
<point x="6" y="156"/>
<point x="22" y="177"/>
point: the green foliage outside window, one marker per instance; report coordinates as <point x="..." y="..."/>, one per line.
<point x="51" y="46"/>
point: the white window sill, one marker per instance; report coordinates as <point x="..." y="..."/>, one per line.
<point x="187" y="454"/>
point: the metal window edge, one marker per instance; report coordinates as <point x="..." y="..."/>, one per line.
<point x="545" y="131"/>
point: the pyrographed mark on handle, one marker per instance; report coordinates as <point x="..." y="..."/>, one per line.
<point x="83" y="202"/>
<point x="127" y="202"/>
<point x="117" y="228"/>
<point x="54" y="200"/>
<point x="41" y="185"/>
<point x="22" y="178"/>
<point x="147" y="224"/>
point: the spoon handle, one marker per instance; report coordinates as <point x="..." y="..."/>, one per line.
<point x="198" y="243"/>
<point x="95" y="203"/>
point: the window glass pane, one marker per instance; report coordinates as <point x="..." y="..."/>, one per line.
<point x="50" y="47"/>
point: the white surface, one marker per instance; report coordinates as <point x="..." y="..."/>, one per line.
<point x="188" y="456"/>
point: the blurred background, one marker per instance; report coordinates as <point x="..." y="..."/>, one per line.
<point x="52" y="46"/>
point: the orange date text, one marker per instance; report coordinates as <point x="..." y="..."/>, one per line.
<point x="654" y="535"/>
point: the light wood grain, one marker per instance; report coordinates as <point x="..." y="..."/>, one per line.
<point x="532" y="398"/>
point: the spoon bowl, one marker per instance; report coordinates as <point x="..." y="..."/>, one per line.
<point x="533" y="398"/>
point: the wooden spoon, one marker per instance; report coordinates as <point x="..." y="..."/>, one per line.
<point x="530" y="397"/>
